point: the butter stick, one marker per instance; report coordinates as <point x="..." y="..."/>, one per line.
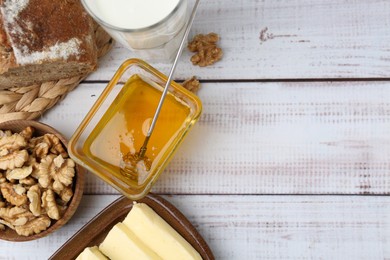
<point x="91" y="253"/>
<point x="157" y="234"/>
<point x="122" y="244"/>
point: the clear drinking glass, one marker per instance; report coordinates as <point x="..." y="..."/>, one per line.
<point x="156" y="42"/>
<point x="98" y="121"/>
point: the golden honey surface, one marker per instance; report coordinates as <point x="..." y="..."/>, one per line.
<point x="123" y="128"/>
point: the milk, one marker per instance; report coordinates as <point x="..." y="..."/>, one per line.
<point x="152" y="29"/>
<point x="132" y="14"/>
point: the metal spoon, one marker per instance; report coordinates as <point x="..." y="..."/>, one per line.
<point x="133" y="161"/>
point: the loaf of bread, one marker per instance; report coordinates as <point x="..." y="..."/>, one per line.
<point x="43" y="40"/>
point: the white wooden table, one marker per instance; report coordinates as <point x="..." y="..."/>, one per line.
<point x="291" y="157"/>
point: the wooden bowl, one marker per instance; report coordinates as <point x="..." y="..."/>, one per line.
<point x="78" y="181"/>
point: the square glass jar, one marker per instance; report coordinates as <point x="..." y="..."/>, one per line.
<point x="117" y="124"/>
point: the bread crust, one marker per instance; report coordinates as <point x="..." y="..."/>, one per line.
<point x="35" y="32"/>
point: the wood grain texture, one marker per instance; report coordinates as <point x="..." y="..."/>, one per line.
<point x="271" y="138"/>
<point x="259" y="227"/>
<point x="286" y="39"/>
<point x="283" y="137"/>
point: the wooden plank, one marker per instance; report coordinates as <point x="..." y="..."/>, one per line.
<point x="286" y="39"/>
<point x="271" y="138"/>
<point x="259" y="227"/>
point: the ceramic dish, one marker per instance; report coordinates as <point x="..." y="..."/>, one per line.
<point x="94" y="232"/>
<point x="78" y="182"/>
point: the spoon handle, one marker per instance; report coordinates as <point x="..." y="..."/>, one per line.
<point x="157" y="113"/>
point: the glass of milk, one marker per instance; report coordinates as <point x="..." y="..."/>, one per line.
<point x="151" y="29"/>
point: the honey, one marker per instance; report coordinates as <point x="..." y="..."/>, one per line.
<point x="114" y="129"/>
<point x="122" y="129"/>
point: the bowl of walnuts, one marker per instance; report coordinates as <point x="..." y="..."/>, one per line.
<point x="40" y="186"/>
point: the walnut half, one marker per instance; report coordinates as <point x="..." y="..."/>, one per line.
<point x="11" y="195"/>
<point x="50" y="205"/>
<point x="19" y="173"/>
<point x="192" y="84"/>
<point x="15" y="216"/>
<point x="13" y="160"/>
<point x="207" y="51"/>
<point x="34" y="196"/>
<point x="34" y="226"/>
